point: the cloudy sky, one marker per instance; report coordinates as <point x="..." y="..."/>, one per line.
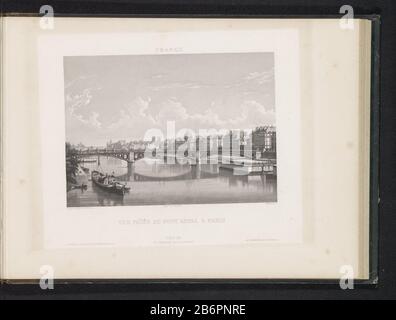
<point x="121" y="97"/>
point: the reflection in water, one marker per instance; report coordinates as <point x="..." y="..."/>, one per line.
<point x="154" y="183"/>
<point x="106" y="198"/>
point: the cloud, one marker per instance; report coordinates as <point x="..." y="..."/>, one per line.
<point x="92" y="120"/>
<point x="252" y="114"/>
<point x="257" y="78"/>
<point x="75" y="81"/>
<point x="134" y="114"/>
<point x="140" y="116"/>
<point x="178" y="85"/>
<point x="255" y="114"/>
<point x="79" y="100"/>
<point x="171" y="110"/>
<point x="158" y="76"/>
<point x="208" y="118"/>
<point x="261" y="77"/>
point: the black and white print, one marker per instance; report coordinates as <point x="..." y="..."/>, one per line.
<point x="170" y="129"/>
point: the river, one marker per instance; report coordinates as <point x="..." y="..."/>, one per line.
<point x="153" y="183"/>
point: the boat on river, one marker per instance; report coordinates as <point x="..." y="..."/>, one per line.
<point x="108" y="183"/>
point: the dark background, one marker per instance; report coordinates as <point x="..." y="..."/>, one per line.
<point x="386" y="288"/>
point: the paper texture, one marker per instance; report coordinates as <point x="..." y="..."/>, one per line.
<point x="315" y="227"/>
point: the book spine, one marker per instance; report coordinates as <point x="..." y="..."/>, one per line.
<point x="2" y="197"/>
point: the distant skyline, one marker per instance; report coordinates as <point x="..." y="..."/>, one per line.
<point x="121" y="97"/>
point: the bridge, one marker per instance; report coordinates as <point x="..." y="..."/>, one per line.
<point x="239" y="164"/>
<point x="122" y="154"/>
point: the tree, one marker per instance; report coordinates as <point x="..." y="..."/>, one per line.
<point x="71" y="164"/>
